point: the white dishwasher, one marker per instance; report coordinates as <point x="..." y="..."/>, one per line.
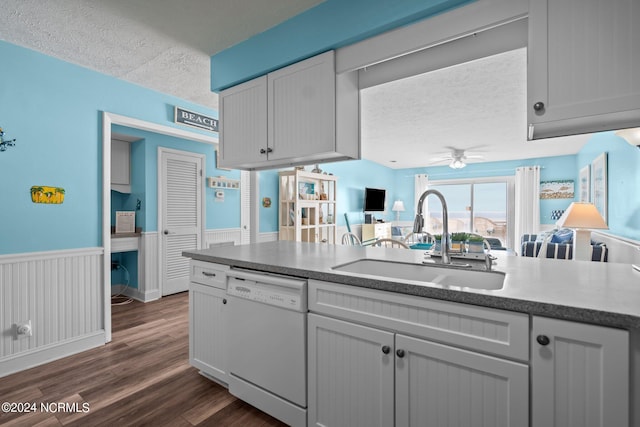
<point x="267" y="324"/>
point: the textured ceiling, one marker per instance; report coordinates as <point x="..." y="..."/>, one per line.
<point x="166" y="46"/>
<point x="478" y="106"/>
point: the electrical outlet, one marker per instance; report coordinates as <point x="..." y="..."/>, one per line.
<point x="24" y="329"/>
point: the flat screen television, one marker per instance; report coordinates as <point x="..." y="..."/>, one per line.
<point x="374" y="199"/>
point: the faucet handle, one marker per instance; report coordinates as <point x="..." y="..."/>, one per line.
<point x="488" y="260"/>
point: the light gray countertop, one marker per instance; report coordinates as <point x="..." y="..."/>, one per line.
<point x="592" y="292"/>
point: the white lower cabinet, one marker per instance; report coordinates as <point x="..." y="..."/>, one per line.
<point x="351" y="379"/>
<point x="363" y="376"/>
<point x="208" y="320"/>
<point x="440" y="385"/>
<point x="579" y="374"/>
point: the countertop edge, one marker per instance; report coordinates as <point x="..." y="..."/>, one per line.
<point x="557" y="311"/>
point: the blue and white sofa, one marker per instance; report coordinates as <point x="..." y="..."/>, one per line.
<point x="559" y="245"/>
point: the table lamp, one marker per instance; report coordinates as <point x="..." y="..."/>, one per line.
<point x="582" y="217"/>
<point x="398" y="206"/>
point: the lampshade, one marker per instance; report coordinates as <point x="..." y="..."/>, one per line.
<point x="632" y="135"/>
<point x="398" y="206"/>
<point x="582" y="215"/>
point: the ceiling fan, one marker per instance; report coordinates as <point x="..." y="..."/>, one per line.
<point x="456" y="158"/>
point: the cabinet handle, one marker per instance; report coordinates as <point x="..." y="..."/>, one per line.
<point x="224" y="300"/>
<point x="400" y="353"/>
<point x="204" y="273"/>
<point x="538" y="106"/>
<point x="269" y="150"/>
<point x="386" y="349"/>
<point x="263" y="151"/>
<point x="543" y="340"/>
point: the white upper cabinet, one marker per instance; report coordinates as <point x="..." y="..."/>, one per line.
<point x="584" y="57"/>
<point x="243" y="123"/>
<point x="300" y="114"/>
<point x="121" y="166"/>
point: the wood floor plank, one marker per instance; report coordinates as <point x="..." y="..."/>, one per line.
<point x="141" y="378"/>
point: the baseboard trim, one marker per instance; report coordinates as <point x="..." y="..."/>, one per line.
<point x="45" y="354"/>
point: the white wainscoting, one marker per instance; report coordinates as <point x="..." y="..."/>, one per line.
<point x="223" y="235"/>
<point x="148" y="281"/>
<point x="228" y="235"/>
<point x="268" y="237"/>
<point x="60" y="292"/>
<point x="621" y="250"/>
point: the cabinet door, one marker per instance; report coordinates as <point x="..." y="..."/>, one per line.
<point x="208" y="330"/>
<point x="302" y="108"/>
<point x="439" y="385"/>
<point x="121" y="166"/>
<point x="243" y="123"/>
<point x="584" y="57"/>
<point x="350" y="376"/>
<point x="579" y="375"/>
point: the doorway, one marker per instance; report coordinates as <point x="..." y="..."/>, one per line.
<point x="109" y="119"/>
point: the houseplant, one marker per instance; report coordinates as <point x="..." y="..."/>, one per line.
<point x="457" y="241"/>
<point x="475" y="244"/>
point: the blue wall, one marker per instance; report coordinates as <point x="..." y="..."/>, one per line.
<point x="53" y="108"/>
<point x="623" y="181"/>
<point x="330" y="25"/>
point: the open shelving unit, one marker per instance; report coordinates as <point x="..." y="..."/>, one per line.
<point x="307" y="206"/>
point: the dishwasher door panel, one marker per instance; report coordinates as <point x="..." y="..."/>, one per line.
<point x="267" y="347"/>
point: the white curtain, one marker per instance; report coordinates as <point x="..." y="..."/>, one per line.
<point x="421" y="185"/>
<point x="527" y="201"/>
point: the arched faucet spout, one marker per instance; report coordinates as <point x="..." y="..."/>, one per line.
<point x="418" y="223"/>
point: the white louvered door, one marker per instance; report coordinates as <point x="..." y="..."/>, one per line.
<point x="180" y="220"/>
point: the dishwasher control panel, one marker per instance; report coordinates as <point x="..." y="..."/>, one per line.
<point x="280" y="296"/>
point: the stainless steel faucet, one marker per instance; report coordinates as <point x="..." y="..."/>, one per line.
<point x="418" y="223"/>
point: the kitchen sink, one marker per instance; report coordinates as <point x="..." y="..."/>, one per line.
<point x="445" y="276"/>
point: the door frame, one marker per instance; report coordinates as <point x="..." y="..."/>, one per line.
<point x="161" y="196"/>
<point x="109" y="119"/>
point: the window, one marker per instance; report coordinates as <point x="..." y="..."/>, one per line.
<point x="483" y="206"/>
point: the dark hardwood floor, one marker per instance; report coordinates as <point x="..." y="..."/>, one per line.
<point x="142" y="377"/>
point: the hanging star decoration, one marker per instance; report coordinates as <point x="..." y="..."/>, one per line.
<point x="4" y="143"/>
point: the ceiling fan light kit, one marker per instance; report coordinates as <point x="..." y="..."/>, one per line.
<point x="456" y="158"/>
<point x="457" y="164"/>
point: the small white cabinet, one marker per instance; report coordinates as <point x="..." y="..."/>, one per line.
<point x="208" y="319"/>
<point x="300" y="114"/>
<point x="579" y="375"/>
<point x="584" y="57"/>
<point x="121" y="166"/>
<point x="379" y="230"/>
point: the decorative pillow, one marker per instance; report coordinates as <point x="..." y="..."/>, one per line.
<point x="545" y="235"/>
<point x="564" y="235"/>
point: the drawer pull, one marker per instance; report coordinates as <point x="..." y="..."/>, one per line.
<point x="204" y="273"/>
